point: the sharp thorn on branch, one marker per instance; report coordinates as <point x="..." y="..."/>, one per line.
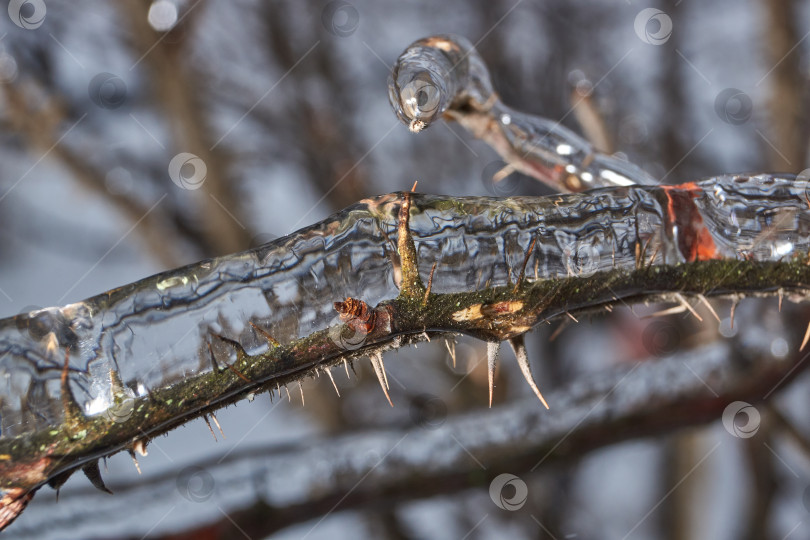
<point x="208" y="423"/>
<point x="525" y="262"/>
<point x="492" y="356"/>
<point x="214" y="418"/>
<point x="93" y="474"/>
<point x="430" y="283"/>
<point x="451" y="348"/>
<point x="519" y="346"/>
<point x="140" y="447"/>
<point x="379" y="369"/>
<point x="734" y="303"/>
<point x="557" y="331"/>
<point x="668" y="311"/>
<point x="270" y="339"/>
<point x="681" y="300"/>
<point x="806" y="338"/>
<point x="331" y="378"/>
<point x="705" y="302"/>
<point x="134" y="460"/>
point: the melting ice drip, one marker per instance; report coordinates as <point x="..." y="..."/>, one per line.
<point x="444" y="77"/>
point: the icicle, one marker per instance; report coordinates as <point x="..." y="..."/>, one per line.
<point x="492" y="355"/>
<point x="519" y="346"/>
<point x="806" y="338"/>
<point x="92" y="473"/>
<point x="379" y="369"/>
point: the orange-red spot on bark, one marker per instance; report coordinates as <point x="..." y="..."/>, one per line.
<point x="695" y="242"/>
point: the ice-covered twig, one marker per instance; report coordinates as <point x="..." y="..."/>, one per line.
<point x="149" y="356"/>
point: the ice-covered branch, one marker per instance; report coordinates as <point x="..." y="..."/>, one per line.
<point x="106" y="374"/>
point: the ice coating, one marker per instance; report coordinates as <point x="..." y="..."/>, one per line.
<point x="444" y="76"/>
<point x="154" y="332"/>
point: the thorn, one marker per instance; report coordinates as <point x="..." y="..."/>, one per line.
<point x="273" y="342"/>
<point x="379" y="369"/>
<point x="59" y="480"/>
<point x="135" y="460"/>
<point x="523" y="268"/>
<point x="346" y="365"/>
<point x="733" y="309"/>
<point x="214" y="364"/>
<point x="557" y="331"/>
<point x="572" y="317"/>
<point x="301" y="388"/>
<point x="238" y="374"/>
<point x="451" y="349"/>
<point x="214" y="418"/>
<point x="410" y="284"/>
<point x="503" y="173"/>
<point x="92" y="473"/>
<point x="208" y="423"/>
<point x="519" y="346"/>
<point x="669" y="311"/>
<point x="413" y="188"/>
<point x="140" y="447"/>
<point x="806" y="338"/>
<point x="709" y="306"/>
<point x="681" y="300"/>
<point x="328" y="372"/>
<point x="430" y="284"/>
<point x="492" y="356"/>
